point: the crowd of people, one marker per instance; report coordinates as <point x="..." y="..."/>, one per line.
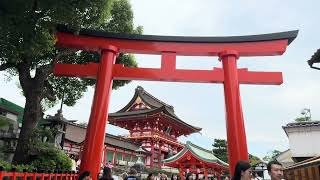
<point x="160" y="176"/>
<point x="242" y="171"/>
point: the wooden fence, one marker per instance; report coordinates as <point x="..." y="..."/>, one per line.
<point x="38" y="176"/>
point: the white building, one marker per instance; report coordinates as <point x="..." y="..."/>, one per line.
<point x="303" y="140"/>
<point x="10" y="118"/>
<point x="285" y="158"/>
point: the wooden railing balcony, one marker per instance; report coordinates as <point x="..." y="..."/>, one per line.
<point x="160" y="134"/>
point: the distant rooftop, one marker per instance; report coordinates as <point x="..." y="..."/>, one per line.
<point x="199" y="153"/>
<point x="315" y="58"/>
<point x="154" y="105"/>
<point x="302" y="124"/>
<point x="13" y="108"/>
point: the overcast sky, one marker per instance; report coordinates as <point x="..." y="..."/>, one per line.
<point x="266" y="108"/>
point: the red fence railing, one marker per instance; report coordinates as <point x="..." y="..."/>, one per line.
<point x="37" y="176"/>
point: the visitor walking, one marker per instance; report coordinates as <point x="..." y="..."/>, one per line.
<point x="257" y="177"/>
<point x="132" y="175"/>
<point x="163" y="177"/>
<point x="242" y="171"/>
<point x="85" y="176"/>
<point x="174" y="177"/>
<point x="109" y="165"/>
<point x="275" y="170"/>
<point x="73" y="163"/>
<point x="150" y="176"/>
<point x="189" y="176"/>
<point x="124" y="175"/>
<point x="158" y="176"/>
<point x="106" y="175"/>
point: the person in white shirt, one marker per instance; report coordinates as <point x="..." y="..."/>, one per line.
<point x="73" y="163"/>
<point x="257" y="177"/>
<point x="275" y="170"/>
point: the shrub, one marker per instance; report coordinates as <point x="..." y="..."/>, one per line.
<point x="51" y="158"/>
<point x="7" y="166"/>
<point x="42" y="155"/>
<point x="19" y="168"/>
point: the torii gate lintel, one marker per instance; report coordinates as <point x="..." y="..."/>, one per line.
<point x="178" y="75"/>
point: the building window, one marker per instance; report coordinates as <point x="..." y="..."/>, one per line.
<point x="134" y="158"/>
<point x="3" y="112"/>
<point x="127" y="158"/>
<point x="119" y="156"/>
<point x="109" y="156"/>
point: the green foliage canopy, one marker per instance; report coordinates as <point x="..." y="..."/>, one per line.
<point x="220" y="150"/>
<point x="27" y="43"/>
<point x="271" y="155"/>
<point x="27" y="37"/>
<point x="302" y="119"/>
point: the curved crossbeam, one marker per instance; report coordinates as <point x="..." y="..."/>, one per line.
<point x="253" y="45"/>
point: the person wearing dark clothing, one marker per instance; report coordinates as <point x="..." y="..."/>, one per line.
<point x="132" y="175"/>
<point x="85" y="176"/>
<point x="174" y="177"/>
<point x="150" y="176"/>
<point x="106" y="174"/>
<point x="189" y="176"/>
<point x="242" y="171"/>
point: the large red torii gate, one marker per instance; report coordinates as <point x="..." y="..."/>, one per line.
<point x="229" y="49"/>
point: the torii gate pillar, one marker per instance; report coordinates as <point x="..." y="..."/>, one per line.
<point x="236" y="134"/>
<point x="95" y="135"/>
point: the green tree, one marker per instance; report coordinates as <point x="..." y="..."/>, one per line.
<point x="271" y="155"/>
<point x="27" y="43"/>
<point x="302" y="119"/>
<point x="254" y="159"/>
<point x="220" y="150"/>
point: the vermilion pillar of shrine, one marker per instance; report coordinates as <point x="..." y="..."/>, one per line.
<point x="181" y="173"/>
<point x="227" y="48"/>
<point x="205" y="173"/>
<point x="236" y="135"/>
<point x="94" y="142"/>
<point x="152" y="154"/>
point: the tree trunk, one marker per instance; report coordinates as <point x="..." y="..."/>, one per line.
<point x="32" y="112"/>
<point x="31" y="115"/>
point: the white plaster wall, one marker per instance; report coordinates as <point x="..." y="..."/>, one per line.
<point x="285" y="158"/>
<point x="148" y="161"/>
<point x="12" y="116"/>
<point x="304" y="141"/>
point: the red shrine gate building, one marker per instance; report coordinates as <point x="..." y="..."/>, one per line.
<point x="154" y="124"/>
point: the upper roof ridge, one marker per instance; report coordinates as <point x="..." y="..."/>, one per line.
<point x="303" y="123"/>
<point x="142" y="91"/>
<point x="189" y="143"/>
